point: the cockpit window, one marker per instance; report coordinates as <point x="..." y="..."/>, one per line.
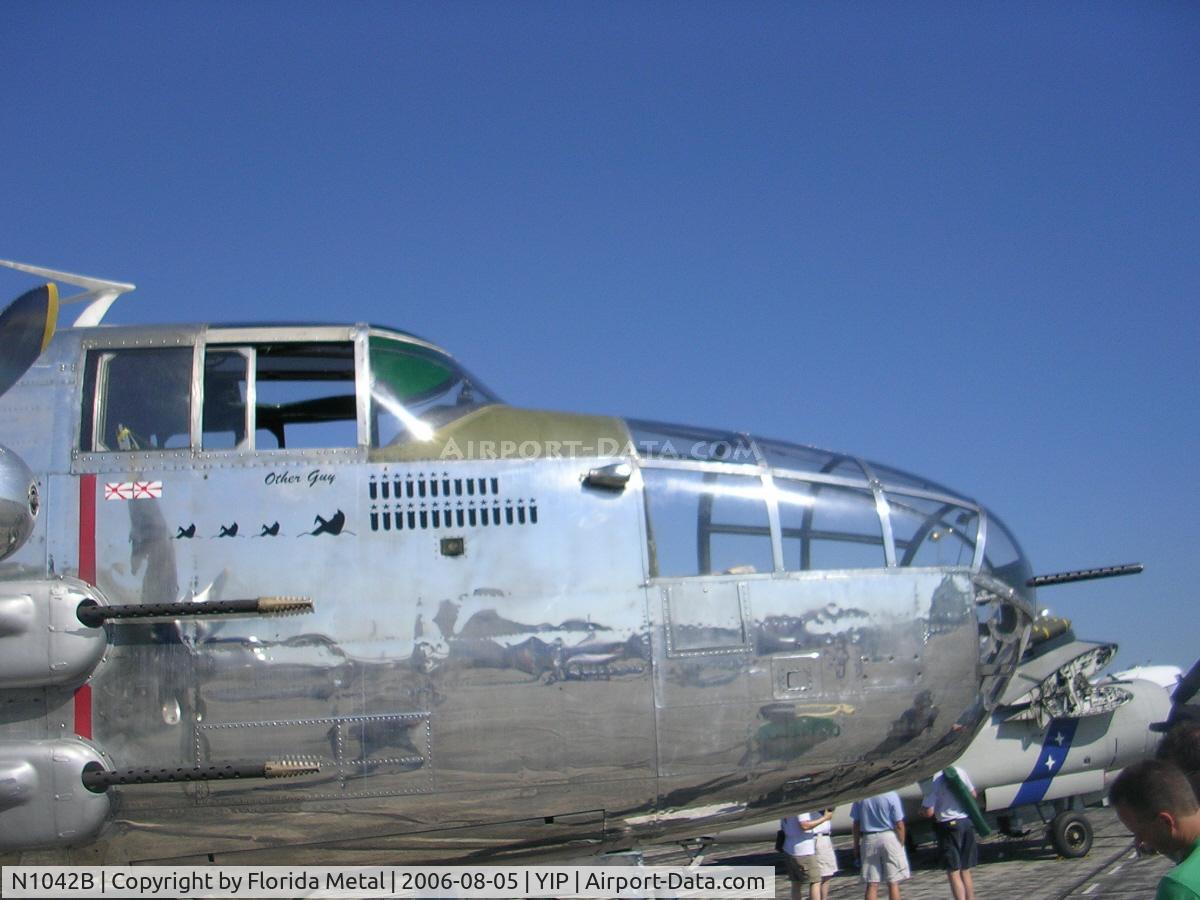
<point x="137" y="399"/>
<point x="797" y="458"/>
<point x="305" y="396"/>
<point x="704" y="523"/>
<point x="415" y="390"/>
<point x="226" y="389"/>
<point x="713" y="512"/>
<point x="280" y="396"/>
<point x="932" y="532"/>
<point x="894" y="478"/>
<point x="1002" y="556"/>
<point x="827" y="526"/>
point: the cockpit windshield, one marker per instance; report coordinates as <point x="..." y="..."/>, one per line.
<point x="830" y="510"/>
<point x="1003" y="558"/>
<point x="416" y="389"/>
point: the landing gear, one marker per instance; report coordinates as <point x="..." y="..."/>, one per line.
<point x="1071" y="834"/>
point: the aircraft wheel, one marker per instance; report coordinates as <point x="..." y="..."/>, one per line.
<point x="1071" y="834"/>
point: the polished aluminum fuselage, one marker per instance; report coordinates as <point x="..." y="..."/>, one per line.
<point x="528" y="686"/>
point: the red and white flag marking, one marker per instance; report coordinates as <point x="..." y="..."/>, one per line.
<point x="133" y="490"/>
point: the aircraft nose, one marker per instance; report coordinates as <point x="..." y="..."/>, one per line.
<point x="821" y="522"/>
<point x="1005" y="617"/>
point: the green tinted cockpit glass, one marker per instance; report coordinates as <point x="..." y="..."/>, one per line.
<point x="415" y="390"/>
<point x="409" y="373"/>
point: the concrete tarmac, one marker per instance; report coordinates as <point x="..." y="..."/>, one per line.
<point x="1021" y="868"/>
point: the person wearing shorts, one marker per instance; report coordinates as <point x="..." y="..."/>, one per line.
<point x="803" y="866"/>
<point x="958" y="849"/>
<point x="877" y="825"/>
<point x="826" y="855"/>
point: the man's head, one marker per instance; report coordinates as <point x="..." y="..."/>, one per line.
<point x="1181" y="745"/>
<point x="1155" y="801"/>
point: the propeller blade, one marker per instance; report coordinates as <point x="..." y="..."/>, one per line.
<point x="26" y="326"/>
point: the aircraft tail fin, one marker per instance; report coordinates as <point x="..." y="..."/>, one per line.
<point x="1185" y="705"/>
<point x="98" y="293"/>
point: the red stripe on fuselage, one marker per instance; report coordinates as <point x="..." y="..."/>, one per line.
<point x="83" y="711"/>
<point x="87" y="572"/>
<point x="87" y="528"/>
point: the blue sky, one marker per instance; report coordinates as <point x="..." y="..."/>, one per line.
<point x="961" y="240"/>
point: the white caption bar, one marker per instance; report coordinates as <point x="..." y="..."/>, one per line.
<point x="388" y="881"/>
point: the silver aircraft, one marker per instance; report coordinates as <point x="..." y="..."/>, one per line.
<point x="1056" y="737"/>
<point x="1059" y="735"/>
<point x="300" y="594"/>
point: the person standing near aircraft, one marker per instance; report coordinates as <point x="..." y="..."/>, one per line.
<point x="800" y="845"/>
<point x="826" y="855"/>
<point x="877" y="825"/>
<point x="946" y="802"/>
<point x="1155" y="801"/>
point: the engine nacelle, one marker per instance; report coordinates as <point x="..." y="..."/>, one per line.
<point x="19" y="502"/>
<point x="43" y="802"/>
<point x="42" y="641"/>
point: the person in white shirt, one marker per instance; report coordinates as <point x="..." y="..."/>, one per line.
<point x="807" y="860"/>
<point x="957" y="846"/>
<point x="826" y="856"/>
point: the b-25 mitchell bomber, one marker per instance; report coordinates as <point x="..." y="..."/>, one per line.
<point x="1058" y="735"/>
<point x="313" y="594"/>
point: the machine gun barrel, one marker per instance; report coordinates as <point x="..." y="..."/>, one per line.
<point x="94" y="615"/>
<point x="1084" y="575"/>
<point x="98" y="779"/>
